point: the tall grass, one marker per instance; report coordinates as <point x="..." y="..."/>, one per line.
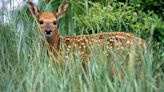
<point x="26" y="67"/>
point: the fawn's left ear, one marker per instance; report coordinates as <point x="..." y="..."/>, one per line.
<point x="33" y="9"/>
<point x="62" y="9"/>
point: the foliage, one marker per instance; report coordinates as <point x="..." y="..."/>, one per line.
<point x="26" y="67"/>
<point x="156" y="6"/>
<point x="118" y="17"/>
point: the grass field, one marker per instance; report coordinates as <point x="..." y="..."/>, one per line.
<point x="26" y="67"/>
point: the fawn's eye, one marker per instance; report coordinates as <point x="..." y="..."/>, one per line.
<point x="40" y="22"/>
<point x="54" y="22"/>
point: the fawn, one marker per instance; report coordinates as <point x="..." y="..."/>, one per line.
<point x="107" y="40"/>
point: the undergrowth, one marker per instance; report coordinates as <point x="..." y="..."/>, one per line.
<point x="26" y="67"/>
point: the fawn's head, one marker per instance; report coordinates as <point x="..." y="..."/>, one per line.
<point x="48" y="20"/>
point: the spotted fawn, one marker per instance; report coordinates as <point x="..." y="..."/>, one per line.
<point x="108" y="41"/>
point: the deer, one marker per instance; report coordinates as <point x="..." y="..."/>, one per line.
<point x="109" y="41"/>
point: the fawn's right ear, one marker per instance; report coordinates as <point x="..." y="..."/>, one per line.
<point x="33" y="9"/>
<point x="62" y="9"/>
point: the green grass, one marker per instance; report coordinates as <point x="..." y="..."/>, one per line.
<point x="26" y="67"/>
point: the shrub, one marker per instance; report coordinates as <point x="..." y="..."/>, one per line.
<point x="120" y="17"/>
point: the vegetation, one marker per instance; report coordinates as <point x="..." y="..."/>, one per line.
<point x="26" y="67"/>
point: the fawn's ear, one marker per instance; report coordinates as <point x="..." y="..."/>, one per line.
<point x="33" y="9"/>
<point x="62" y="9"/>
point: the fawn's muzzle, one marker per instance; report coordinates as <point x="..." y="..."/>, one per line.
<point x="48" y="34"/>
<point x="48" y="31"/>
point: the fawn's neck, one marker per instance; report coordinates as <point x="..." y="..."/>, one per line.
<point x="55" y="42"/>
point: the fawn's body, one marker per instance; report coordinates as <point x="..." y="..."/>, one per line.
<point x="109" y="40"/>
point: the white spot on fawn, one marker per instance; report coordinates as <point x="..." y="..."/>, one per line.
<point x="75" y="45"/>
<point x="79" y="47"/>
<point x="68" y="49"/>
<point x="117" y="36"/>
<point x="128" y="42"/>
<point x="66" y="57"/>
<point x="90" y="43"/>
<point x="111" y="40"/>
<point x="69" y="46"/>
<point x="108" y="47"/>
<point x="86" y="40"/>
<point x="82" y="52"/>
<point x="83" y="44"/>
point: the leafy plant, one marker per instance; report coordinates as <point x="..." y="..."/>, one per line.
<point x="118" y="17"/>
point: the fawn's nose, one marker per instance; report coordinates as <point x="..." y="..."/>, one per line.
<point x="48" y="31"/>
